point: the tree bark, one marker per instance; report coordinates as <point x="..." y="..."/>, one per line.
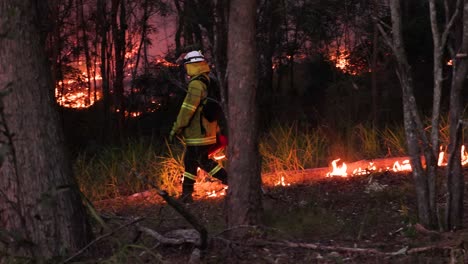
<point x="416" y="139"/>
<point x="244" y="197"/>
<point x="119" y="28"/>
<point x="439" y="42"/>
<point x="40" y="202"/>
<point x="220" y="48"/>
<point x="83" y="27"/>
<point x="103" y="29"/>
<point x="455" y="181"/>
<point x="268" y="27"/>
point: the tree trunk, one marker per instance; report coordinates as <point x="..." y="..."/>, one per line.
<point x="83" y="27"/>
<point x="220" y="48"/>
<point x="39" y="198"/>
<point x="268" y="27"/>
<point x="244" y="198"/>
<point x="374" y="88"/>
<point x="414" y="130"/>
<point x="119" y="28"/>
<point x="103" y="28"/>
<point x="179" y="26"/>
<point x="455" y="181"/>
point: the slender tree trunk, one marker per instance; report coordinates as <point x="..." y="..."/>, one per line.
<point x="221" y="11"/>
<point x="414" y="130"/>
<point x="104" y="69"/>
<point x="41" y="207"/>
<point x="144" y="28"/>
<point x="244" y="201"/>
<point x="374" y="87"/>
<point x="86" y="49"/>
<point x="119" y="28"/>
<point x="268" y="24"/>
<point x="179" y="26"/>
<point x="438" y="79"/>
<point x="455" y="181"/>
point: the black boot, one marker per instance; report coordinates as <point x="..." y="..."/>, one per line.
<point x="187" y="190"/>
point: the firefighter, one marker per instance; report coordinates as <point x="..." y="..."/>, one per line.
<point x="197" y="132"/>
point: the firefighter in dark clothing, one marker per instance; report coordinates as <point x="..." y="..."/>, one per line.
<point x="197" y="132"/>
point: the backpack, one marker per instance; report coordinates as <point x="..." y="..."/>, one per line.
<point x="211" y="105"/>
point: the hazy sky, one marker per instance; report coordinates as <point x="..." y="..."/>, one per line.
<point x="164" y="37"/>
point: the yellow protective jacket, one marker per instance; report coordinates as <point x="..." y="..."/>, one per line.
<point x="195" y="129"/>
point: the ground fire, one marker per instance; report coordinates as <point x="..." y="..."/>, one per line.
<point x="400" y="165"/>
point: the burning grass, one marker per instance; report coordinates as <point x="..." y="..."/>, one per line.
<point x="372" y="210"/>
<point x="289" y="153"/>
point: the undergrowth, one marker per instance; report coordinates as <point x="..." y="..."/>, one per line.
<point x="112" y="171"/>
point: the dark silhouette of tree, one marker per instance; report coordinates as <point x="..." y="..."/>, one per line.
<point x="119" y="31"/>
<point x="42" y="215"/>
<point x="269" y="20"/>
<point x="244" y="198"/>
<point x="455" y="179"/>
<point x="416" y="139"/>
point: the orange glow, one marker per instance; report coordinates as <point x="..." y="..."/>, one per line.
<point x="214" y="193"/>
<point x="338" y="170"/>
<point x="360" y="171"/>
<point x="282" y="182"/>
<point x="341" y="58"/>
<point x="165" y="63"/>
<point x="132" y="114"/>
<point x="75" y="99"/>
<point x="74" y="93"/>
<point x="404" y="165"/>
<point x="450" y="63"/>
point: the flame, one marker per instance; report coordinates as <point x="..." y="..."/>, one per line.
<point x="282" y="182"/>
<point x="369" y="169"/>
<point x="71" y="94"/>
<point x="464" y="156"/>
<point x="340" y="56"/>
<point x="338" y="170"/>
<point x="405" y="166"/>
<point x="165" y="63"/>
<point x="397" y="166"/>
<point x="75" y="99"/>
<point x="440" y="160"/>
<point x="214" y="193"/>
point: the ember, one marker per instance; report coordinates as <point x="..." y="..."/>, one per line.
<point x="282" y="182"/>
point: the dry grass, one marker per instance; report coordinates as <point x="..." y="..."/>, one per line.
<point x="109" y="173"/>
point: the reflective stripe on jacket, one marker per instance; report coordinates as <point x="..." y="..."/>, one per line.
<point x="188" y="120"/>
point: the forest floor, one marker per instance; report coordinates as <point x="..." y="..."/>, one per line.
<point x="359" y="219"/>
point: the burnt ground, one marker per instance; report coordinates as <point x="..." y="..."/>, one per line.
<point x="360" y="219"/>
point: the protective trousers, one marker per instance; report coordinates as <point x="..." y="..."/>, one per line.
<point x="197" y="156"/>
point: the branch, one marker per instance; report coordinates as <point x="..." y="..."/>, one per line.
<point x="101" y="238"/>
<point x="386" y="38"/>
<point x="180" y="209"/>
<point x="449" y="26"/>
<point x="184" y="236"/>
<point x="402" y="251"/>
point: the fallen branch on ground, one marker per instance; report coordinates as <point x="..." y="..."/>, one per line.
<point x="370" y="251"/>
<point x="101" y="238"/>
<point x="180" y="237"/>
<point x="179" y="207"/>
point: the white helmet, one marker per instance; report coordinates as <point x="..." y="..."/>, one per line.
<point x="193" y="56"/>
